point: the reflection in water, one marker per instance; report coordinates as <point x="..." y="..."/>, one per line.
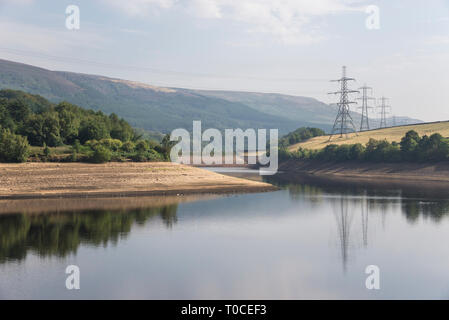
<point x="60" y="234"/>
<point x="365" y="215"/>
<point x="414" y="201"/>
<point x="344" y="220"/>
<point x="309" y="240"/>
<point x="347" y="198"/>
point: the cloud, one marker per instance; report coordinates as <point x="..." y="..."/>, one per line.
<point x="438" y="40"/>
<point x="140" y="8"/>
<point x="39" y="39"/>
<point x="21" y="2"/>
<point x="289" y="21"/>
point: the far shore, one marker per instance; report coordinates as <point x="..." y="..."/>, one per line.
<point x="80" y="180"/>
<point x="404" y="173"/>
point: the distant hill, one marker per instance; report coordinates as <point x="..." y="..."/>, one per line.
<point x="164" y="109"/>
<point x="390" y="134"/>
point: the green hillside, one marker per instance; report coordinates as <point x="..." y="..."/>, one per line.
<point x="164" y="109"/>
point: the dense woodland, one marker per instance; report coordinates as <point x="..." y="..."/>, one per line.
<point x="33" y="127"/>
<point x="412" y="148"/>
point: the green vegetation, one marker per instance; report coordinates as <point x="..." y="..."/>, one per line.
<point x="300" y="135"/>
<point x="13" y="148"/>
<point x="61" y="233"/>
<point x="32" y="126"/>
<point x="411" y="148"/>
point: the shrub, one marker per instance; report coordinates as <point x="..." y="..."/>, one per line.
<point x="150" y="155"/>
<point x="76" y="146"/>
<point x="91" y="143"/>
<point x="47" y="151"/>
<point x="101" y="154"/>
<point x="111" y="144"/>
<point x="128" y="146"/>
<point x="142" y="146"/>
<point x="357" y="151"/>
<point x="13" y="148"/>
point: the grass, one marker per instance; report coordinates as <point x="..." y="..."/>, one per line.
<point x="53" y="150"/>
<point x="390" y="134"/>
<point x="61" y="153"/>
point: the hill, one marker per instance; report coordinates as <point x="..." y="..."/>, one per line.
<point x="164" y="109"/>
<point x="390" y="134"/>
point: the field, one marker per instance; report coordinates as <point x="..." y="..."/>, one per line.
<point x="390" y="134"/>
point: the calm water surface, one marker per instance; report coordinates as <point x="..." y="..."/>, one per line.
<point x="307" y="240"/>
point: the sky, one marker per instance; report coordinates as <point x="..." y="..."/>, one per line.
<point x="284" y="46"/>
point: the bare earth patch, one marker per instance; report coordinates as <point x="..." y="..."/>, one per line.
<point x="53" y="180"/>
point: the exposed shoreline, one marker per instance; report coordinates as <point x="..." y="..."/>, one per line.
<point x="81" y="180"/>
<point x="404" y="173"/>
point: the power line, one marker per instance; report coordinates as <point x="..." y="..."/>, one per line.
<point x="78" y="61"/>
<point x="343" y="122"/>
<point x="364" y="123"/>
<point x="383" y="112"/>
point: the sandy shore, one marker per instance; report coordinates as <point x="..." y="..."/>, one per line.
<point x="398" y="173"/>
<point x="69" y="180"/>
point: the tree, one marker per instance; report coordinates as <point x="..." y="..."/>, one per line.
<point x="5" y="119"/>
<point x="357" y="151"/>
<point x="13" y="148"/>
<point x="34" y="131"/>
<point x="93" y="130"/>
<point x="18" y="110"/>
<point x="343" y="152"/>
<point x="51" y="129"/>
<point x="69" y="122"/>
<point x="120" y="129"/>
<point x="409" y="144"/>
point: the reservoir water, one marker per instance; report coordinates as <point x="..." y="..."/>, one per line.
<point x="305" y="241"/>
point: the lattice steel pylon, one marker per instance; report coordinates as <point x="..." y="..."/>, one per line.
<point x="383" y="112"/>
<point x="343" y="122"/>
<point x="364" y="122"/>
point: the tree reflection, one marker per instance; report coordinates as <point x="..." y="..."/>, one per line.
<point x="415" y="201"/>
<point x="60" y="234"/>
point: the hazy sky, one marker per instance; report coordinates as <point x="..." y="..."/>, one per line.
<point x="285" y="46"/>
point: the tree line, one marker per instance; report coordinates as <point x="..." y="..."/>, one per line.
<point x="299" y="135"/>
<point x="412" y="148"/>
<point x="30" y="120"/>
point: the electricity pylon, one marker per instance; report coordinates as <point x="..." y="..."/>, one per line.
<point x="383" y="112"/>
<point x="343" y="122"/>
<point x="364" y="123"/>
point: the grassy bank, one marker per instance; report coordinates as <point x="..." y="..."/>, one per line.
<point x="388" y="134"/>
